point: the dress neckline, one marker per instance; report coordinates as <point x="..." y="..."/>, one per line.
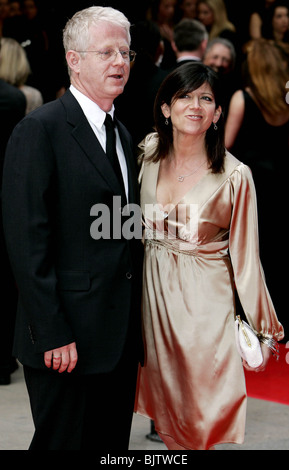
<point x="174" y="205"/>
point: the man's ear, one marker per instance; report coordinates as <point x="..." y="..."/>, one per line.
<point x="73" y="60"/>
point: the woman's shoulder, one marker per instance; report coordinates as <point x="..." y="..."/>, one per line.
<point x="148" y="144"/>
<point x="232" y="164"/>
<point x="235" y="169"/>
<point x="146" y="149"/>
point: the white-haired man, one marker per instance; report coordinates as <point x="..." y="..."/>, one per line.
<point x="78" y="326"/>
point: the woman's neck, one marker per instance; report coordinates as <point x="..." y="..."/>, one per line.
<point x="187" y="151"/>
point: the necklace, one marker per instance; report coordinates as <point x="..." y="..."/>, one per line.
<point x="182" y="177"/>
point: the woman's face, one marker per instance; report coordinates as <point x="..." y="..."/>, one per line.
<point x="4" y="9"/>
<point x="166" y="10"/>
<point x="194" y="112"/>
<point x="30" y="9"/>
<point x="280" y="20"/>
<point x="205" y="14"/>
<point x="189" y="8"/>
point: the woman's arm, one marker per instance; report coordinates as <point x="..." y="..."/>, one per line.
<point x="235" y="118"/>
<point x="248" y="271"/>
<point x="255" y="25"/>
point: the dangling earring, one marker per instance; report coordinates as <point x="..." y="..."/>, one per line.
<point x="166" y="122"/>
<point x="215" y="126"/>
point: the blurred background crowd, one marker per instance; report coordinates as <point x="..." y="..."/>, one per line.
<point x="37" y="26"/>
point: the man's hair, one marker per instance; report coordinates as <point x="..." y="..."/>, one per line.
<point x="225" y="42"/>
<point x="189" y="34"/>
<point x="76" y="32"/>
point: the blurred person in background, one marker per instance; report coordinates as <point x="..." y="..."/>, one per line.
<point x="213" y="14"/>
<point x="4" y="14"/>
<point x="221" y="56"/>
<point x="190" y="40"/>
<point x="276" y="25"/>
<point x="33" y="29"/>
<point x="259" y="14"/>
<point x="187" y="9"/>
<point x="15" y="69"/>
<point x="14" y="8"/>
<point x="163" y="13"/>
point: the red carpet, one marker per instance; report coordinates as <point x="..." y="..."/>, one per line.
<point x="273" y="383"/>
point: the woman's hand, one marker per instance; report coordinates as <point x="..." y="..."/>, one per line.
<point x="62" y="359"/>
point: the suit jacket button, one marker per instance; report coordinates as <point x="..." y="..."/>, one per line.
<point x="128" y="275"/>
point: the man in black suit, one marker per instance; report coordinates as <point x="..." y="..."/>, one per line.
<point x="189" y="41"/>
<point x="77" y="266"/>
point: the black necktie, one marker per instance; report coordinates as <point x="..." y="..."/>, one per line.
<point x="111" y="147"/>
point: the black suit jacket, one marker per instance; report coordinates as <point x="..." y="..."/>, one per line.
<point x="72" y="287"/>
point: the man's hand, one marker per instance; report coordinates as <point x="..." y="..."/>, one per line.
<point x="62" y="359"/>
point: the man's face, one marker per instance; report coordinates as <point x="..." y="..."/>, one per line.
<point x="102" y="80"/>
<point x="219" y="58"/>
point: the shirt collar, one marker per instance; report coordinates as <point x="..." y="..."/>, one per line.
<point x="91" y="110"/>
<point x="188" y="57"/>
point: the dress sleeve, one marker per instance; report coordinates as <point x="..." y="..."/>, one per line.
<point x="244" y="251"/>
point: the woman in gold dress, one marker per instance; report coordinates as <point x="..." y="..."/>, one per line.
<point x="201" y="242"/>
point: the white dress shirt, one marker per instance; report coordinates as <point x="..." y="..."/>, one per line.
<point x="96" y="117"/>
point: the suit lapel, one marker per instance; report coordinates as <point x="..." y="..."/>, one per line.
<point x="85" y="137"/>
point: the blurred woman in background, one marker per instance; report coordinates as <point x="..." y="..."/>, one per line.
<point x="213" y="14"/>
<point x="276" y="25"/>
<point x="15" y="69"/>
<point x="163" y="13"/>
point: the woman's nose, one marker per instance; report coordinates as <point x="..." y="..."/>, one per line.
<point x="194" y="102"/>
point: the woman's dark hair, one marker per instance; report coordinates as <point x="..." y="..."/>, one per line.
<point x="267" y="24"/>
<point x="181" y="81"/>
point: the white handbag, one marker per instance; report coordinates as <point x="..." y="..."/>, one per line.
<point x="248" y="343"/>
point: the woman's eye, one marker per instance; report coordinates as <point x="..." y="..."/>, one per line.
<point x="207" y="98"/>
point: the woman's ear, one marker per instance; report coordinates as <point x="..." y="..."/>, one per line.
<point x="166" y="110"/>
<point x="217" y="115"/>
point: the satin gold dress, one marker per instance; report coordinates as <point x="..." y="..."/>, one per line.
<point x="192" y="384"/>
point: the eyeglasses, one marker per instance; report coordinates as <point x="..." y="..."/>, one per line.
<point x="110" y="54"/>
